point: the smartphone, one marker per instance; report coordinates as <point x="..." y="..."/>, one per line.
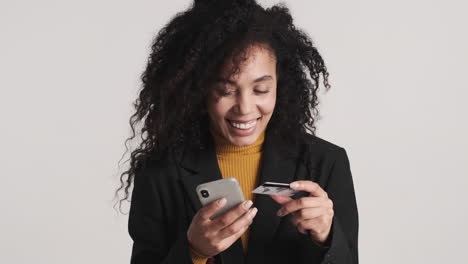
<point x="228" y="188"/>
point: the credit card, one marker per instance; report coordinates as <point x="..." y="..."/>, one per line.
<point x="275" y="188"/>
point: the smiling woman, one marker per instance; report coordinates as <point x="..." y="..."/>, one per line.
<point x="230" y="91"/>
<point x="240" y="109"/>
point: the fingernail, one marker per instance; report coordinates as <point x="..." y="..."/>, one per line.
<point x="294" y="185"/>
<point x="279" y="213"/>
<point x="254" y="211"/>
<point x="247" y="204"/>
<point x="222" y="201"/>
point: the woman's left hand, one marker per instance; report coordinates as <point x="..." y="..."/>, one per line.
<point x="313" y="213"/>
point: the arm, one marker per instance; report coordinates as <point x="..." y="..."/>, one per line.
<point x="343" y="240"/>
<point x="152" y="242"/>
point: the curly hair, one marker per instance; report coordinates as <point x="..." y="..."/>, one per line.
<point x="186" y="57"/>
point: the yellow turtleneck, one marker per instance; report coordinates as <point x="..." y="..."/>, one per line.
<point x="242" y="163"/>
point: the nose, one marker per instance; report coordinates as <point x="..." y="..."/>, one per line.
<point x="245" y="103"/>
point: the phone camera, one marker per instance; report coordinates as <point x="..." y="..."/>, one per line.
<point x="204" y="193"/>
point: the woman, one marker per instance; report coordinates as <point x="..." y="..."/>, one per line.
<point x="226" y="94"/>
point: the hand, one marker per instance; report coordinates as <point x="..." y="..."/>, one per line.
<point x="210" y="237"/>
<point x="312" y="214"/>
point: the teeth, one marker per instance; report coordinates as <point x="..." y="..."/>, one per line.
<point x="244" y="126"/>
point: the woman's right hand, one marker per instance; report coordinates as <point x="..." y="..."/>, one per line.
<point x="210" y="237"/>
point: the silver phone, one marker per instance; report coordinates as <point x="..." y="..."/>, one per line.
<point x="228" y="188"/>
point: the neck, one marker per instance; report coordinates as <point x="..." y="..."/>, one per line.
<point x="224" y="146"/>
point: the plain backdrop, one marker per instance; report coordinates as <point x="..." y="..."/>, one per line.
<point x="70" y="70"/>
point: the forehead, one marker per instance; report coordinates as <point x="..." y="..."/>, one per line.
<point x="258" y="63"/>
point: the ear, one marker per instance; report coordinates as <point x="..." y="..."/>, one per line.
<point x="281" y="199"/>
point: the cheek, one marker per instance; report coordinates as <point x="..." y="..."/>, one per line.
<point x="212" y="105"/>
<point x="268" y="105"/>
<point x="218" y="109"/>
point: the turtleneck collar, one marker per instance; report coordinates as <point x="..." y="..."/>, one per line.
<point x="224" y="147"/>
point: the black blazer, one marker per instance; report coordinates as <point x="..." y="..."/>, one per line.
<point x="164" y="201"/>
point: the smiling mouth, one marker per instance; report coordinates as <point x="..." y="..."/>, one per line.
<point x="243" y="125"/>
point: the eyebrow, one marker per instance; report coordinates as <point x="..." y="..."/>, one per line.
<point x="260" y="79"/>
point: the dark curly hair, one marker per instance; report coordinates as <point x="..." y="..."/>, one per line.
<point x="186" y="57"/>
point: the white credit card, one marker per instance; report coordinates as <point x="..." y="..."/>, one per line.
<point x="275" y="188"/>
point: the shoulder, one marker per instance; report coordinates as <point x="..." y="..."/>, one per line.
<point x="156" y="160"/>
<point x="157" y="167"/>
<point x="319" y="146"/>
<point x="319" y="153"/>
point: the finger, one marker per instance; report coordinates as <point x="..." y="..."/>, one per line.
<point x="306" y="214"/>
<point x="281" y="199"/>
<point x="302" y="230"/>
<point x="208" y="210"/>
<point x="230" y="240"/>
<point x="309" y="225"/>
<point x="239" y="224"/>
<point x="309" y="186"/>
<point x="230" y="216"/>
<point x="304" y="202"/>
<point x="223" y="244"/>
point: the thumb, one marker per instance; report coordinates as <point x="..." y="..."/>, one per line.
<point x="281" y="199"/>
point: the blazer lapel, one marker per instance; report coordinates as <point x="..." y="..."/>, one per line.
<point x="200" y="166"/>
<point x="276" y="166"/>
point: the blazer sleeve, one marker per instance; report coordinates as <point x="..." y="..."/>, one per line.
<point x="343" y="240"/>
<point x="148" y="228"/>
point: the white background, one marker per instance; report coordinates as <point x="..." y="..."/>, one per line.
<point x="69" y="72"/>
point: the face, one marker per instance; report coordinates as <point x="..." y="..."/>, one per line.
<point x="240" y="108"/>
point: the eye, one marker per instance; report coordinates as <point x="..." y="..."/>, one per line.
<point x="223" y="91"/>
<point x="262" y="91"/>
